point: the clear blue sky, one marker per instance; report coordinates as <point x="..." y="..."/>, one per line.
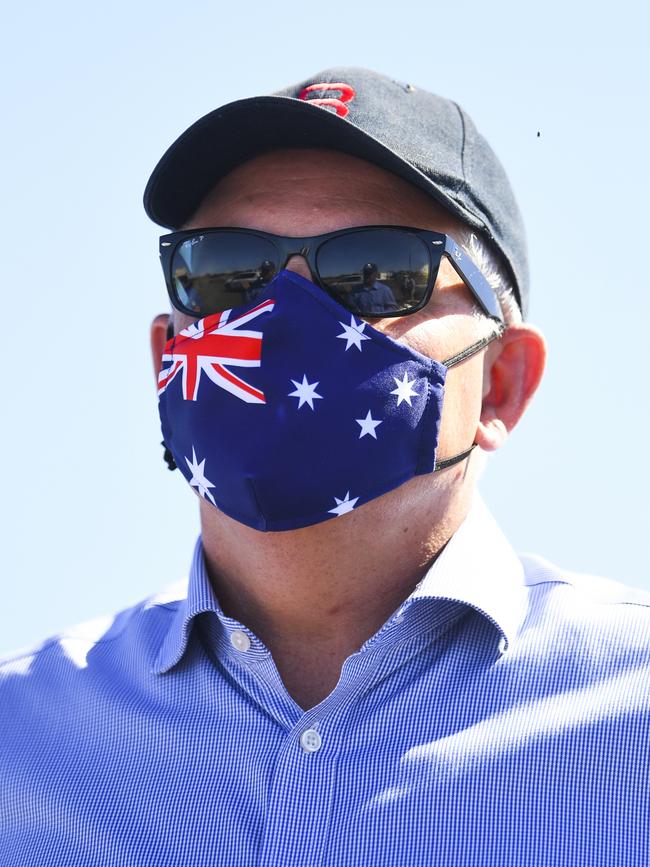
<point x="94" y="93"/>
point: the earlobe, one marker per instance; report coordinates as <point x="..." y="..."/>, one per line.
<point x="159" y="336"/>
<point x="514" y="366"/>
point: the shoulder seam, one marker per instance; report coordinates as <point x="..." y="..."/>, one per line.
<point x="596" y="598"/>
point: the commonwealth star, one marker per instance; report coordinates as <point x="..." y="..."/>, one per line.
<point x="343" y="506"/>
<point x="368" y="425"/>
<point x="353" y="333"/>
<point x="404" y="390"/>
<point x="305" y="392"/>
<point x="198" y="479"/>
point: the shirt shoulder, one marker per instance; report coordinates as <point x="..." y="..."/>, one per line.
<point x="135" y="632"/>
<point x="595" y="589"/>
<point x="576" y="617"/>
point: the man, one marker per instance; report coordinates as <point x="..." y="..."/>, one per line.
<point x="371" y="296"/>
<point x="267" y="271"/>
<point x="360" y="671"/>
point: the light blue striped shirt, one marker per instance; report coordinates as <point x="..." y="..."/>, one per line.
<point x="499" y="717"/>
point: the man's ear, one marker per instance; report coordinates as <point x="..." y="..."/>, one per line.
<point x="160" y="328"/>
<point x="513" y="369"/>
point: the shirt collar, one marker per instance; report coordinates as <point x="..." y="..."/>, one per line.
<point x="477" y="568"/>
<point x="199" y="598"/>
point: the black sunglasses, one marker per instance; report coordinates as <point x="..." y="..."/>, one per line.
<point x="370" y="270"/>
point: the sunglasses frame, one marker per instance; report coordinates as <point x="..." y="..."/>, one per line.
<point x="436" y="243"/>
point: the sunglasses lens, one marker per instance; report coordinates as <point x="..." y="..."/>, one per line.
<point x="215" y="271"/>
<point x="371" y="272"/>
<point x="375" y="271"/>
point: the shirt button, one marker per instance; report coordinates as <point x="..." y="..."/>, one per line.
<point x="240" y="641"/>
<point x="310" y="741"/>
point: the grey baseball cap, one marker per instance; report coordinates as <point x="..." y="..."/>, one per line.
<point x="423" y="138"/>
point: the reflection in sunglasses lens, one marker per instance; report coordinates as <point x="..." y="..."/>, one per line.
<point x="375" y="272"/>
<point x="216" y="271"/>
<point x="370" y="273"/>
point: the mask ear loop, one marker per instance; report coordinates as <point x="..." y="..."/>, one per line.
<point x="450" y="362"/>
<point x="167" y="455"/>
<point x="475" y="347"/>
<point x="449" y="462"/>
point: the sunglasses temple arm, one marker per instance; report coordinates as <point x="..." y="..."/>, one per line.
<point x="476" y="282"/>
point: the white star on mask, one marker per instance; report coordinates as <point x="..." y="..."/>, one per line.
<point x="404" y="390"/>
<point x="305" y="392"/>
<point x="198" y="479"/>
<point x="368" y="425"/>
<point x="353" y="333"/>
<point x="343" y="506"/>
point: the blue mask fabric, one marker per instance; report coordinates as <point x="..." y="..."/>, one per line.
<point x="290" y="410"/>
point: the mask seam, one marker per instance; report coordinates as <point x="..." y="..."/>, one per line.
<point x="251" y="485"/>
<point x="425" y="461"/>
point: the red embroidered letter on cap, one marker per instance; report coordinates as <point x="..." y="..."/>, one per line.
<point x="336" y="102"/>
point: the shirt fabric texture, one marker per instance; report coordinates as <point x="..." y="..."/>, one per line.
<point x="499" y="717"/>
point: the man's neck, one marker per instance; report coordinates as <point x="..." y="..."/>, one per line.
<point x="314" y="596"/>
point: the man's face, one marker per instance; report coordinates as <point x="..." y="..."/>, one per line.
<point x="369" y="276"/>
<point x="311" y="192"/>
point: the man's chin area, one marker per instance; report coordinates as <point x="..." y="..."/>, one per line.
<point x="413" y="510"/>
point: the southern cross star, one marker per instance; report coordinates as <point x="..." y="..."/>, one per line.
<point x="198" y="479"/>
<point x="353" y="333"/>
<point x="368" y="425"/>
<point x="305" y="392"/>
<point x="404" y="390"/>
<point x="343" y="506"/>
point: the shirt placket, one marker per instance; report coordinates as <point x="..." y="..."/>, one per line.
<point x="300" y="796"/>
<point x="303" y="784"/>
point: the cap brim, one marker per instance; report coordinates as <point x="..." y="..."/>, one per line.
<point x="235" y="133"/>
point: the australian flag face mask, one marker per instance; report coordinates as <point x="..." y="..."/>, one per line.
<point x="291" y="411"/>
